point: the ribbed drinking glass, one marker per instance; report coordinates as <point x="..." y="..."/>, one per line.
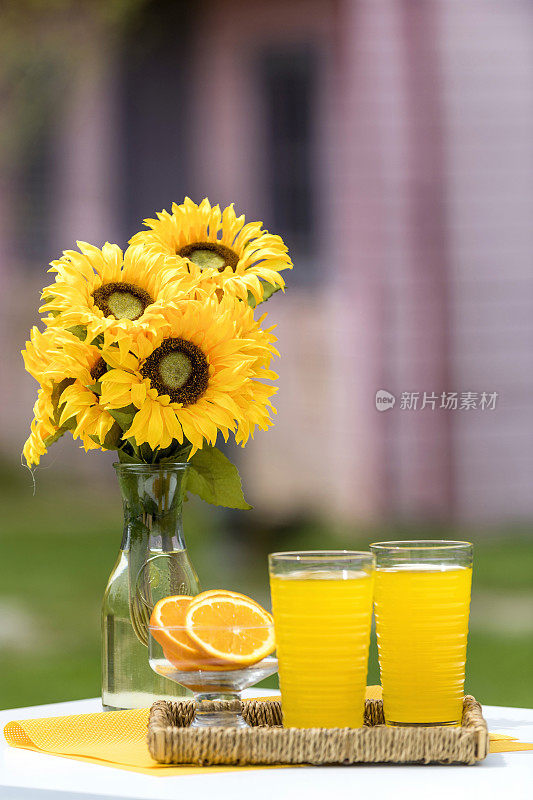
<point x="322" y="607"/>
<point x="421" y="602"/>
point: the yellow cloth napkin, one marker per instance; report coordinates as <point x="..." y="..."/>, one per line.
<point x="118" y="739"/>
<point x="112" y="738"/>
<point x="501" y="743"/>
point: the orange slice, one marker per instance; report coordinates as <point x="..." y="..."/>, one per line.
<point x="167" y="625"/>
<point x="202" y="663"/>
<point x="227" y="593"/>
<point x="230" y="627"/>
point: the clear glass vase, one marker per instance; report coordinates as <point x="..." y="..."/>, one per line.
<point x="152" y="563"/>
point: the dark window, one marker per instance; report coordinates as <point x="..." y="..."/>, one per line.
<point x="155" y="103"/>
<point x="288" y="79"/>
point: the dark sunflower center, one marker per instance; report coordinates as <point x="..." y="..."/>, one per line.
<point x="177" y="368"/>
<point x="98" y="370"/>
<point x="210" y="254"/>
<point x="121" y="300"/>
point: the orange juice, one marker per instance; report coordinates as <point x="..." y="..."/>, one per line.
<point x="322" y="625"/>
<point x="422" y="625"/>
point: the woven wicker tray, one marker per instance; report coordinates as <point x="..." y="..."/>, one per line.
<point x="170" y="741"/>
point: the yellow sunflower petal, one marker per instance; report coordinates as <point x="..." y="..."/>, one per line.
<point x="139" y="429"/>
<point x="42" y="428"/>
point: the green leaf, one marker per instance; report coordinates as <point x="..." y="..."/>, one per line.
<point x="143" y="454"/>
<point x="98" y="341"/>
<point x="112" y="440"/>
<point x="57" y="391"/>
<point x="127" y="458"/>
<point x="268" y="290"/>
<point x="215" y="479"/>
<point x="80" y="331"/>
<point x="70" y="424"/>
<point x="54" y="437"/>
<point x="45" y="301"/>
<point x="174" y="453"/>
<point x="124" y="416"/>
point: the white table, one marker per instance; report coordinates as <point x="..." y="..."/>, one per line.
<point x="26" y="775"/>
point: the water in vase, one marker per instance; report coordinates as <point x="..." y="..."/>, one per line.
<point x="128" y="681"/>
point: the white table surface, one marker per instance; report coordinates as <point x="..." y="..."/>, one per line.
<point x="26" y="775"/>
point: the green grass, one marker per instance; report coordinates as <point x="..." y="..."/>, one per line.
<point x="57" y="551"/>
<point x="499" y="669"/>
<point x="505" y="564"/>
<point x="58" y="548"/>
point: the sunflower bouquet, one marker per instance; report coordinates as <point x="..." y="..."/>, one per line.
<point x="155" y="351"/>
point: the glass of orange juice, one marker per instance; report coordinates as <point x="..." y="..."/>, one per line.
<point x="421" y="603"/>
<point x="322" y="608"/>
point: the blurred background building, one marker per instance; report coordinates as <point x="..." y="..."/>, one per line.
<point x="390" y="142"/>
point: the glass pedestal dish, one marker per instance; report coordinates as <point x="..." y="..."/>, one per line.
<point x="215" y="682"/>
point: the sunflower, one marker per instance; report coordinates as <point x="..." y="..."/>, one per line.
<point x="108" y="291"/>
<point x="200" y="375"/>
<point x="68" y="371"/>
<point x="43" y="429"/>
<point x="218" y="249"/>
